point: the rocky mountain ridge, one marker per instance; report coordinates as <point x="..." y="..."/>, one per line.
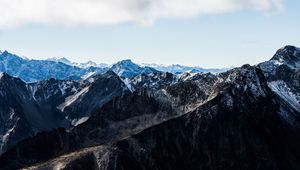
<point x="63" y="69"/>
<point x="244" y="118"/>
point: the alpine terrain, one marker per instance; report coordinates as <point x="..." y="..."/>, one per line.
<point x="56" y="114"/>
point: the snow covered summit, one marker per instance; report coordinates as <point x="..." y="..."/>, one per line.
<point x="126" y="68"/>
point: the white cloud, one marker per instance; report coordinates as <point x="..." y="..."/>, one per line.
<point x="76" y="12"/>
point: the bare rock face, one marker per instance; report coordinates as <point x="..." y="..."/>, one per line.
<point x="27" y="109"/>
<point x="247" y="133"/>
<point x="240" y="128"/>
<point x="21" y="116"/>
<point x="245" y="118"/>
<point x="119" y="118"/>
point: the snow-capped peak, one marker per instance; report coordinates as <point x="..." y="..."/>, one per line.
<point x="80" y="65"/>
<point x="288" y="55"/>
<point x="126" y="62"/>
<point x="90" y="64"/>
<point x="126" y="68"/>
<point x="60" y="59"/>
<point x="5" y="53"/>
<point x="178" y="69"/>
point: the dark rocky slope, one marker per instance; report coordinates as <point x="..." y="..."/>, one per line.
<point x="26" y="109"/>
<point x="246" y="133"/>
<point x="240" y="128"/>
<point x="245" y="118"/>
<point x="121" y="117"/>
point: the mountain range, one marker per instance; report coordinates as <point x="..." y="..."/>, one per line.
<point x="63" y="69"/>
<point x="130" y="116"/>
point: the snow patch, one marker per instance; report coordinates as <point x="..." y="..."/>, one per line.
<point x="88" y="75"/>
<point x="33" y="90"/>
<point x="63" y="87"/>
<point x="278" y="62"/>
<point x="126" y="81"/>
<point x="5" y="137"/>
<point x="12" y="113"/>
<point x="71" y="99"/>
<point x="282" y="89"/>
<point x="59" y="166"/>
<point x="76" y="122"/>
<point x="186" y="76"/>
<point x="74" y="89"/>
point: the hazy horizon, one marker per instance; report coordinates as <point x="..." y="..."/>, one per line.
<point x="110" y="64"/>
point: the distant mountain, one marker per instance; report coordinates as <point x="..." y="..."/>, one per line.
<point x="36" y="70"/>
<point x="63" y="69"/>
<point x="175" y="69"/>
<point x="81" y="65"/>
<point x="126" y="68"/>
<point x="90" y="64"/>
<point x="128" y="64"/>
<point x="60" y="59"/>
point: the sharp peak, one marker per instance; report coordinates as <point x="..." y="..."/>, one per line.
<point x="291" y="47"/>
<point x="89" y="61"/>
<point x="7" y="76"/>
<point x="5" y="52"/>
<point x="64" y="58"/>
<point x="58" y="58"/>
<point x="288" y="48"/>
<point x="287" y="52"/>
<point x="127" y="61"/>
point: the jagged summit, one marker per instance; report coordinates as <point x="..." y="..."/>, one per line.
<point x="289" y="55"/>
<point x="84" y="65"/>
<point x="36" y="70"/>
<point x="60" y="59"/>
<point x="7" y="77"/>
<point x="90" y="64"/>
<point x="126" y="61"/>
<point x="179" y="69"/>
<point x="6" y="53"/>
<point x="64" y="69"/>
<point x="126" y="68"/>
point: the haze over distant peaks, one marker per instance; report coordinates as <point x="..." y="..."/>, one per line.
<point x="62" y="68"/>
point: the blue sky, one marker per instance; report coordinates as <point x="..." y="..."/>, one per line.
<point x="217" y="37"/>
